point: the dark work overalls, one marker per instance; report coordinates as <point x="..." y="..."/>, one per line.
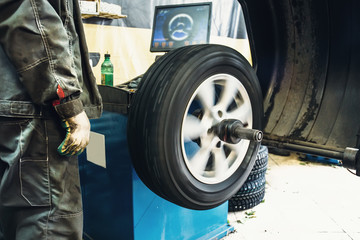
<point x="42" y="51"/>
<point x="40" y="190"/>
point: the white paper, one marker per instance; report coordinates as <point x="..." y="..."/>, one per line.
<point x="95" y="151"/>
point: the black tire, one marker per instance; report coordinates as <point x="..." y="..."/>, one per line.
<point x="260" y="166"/>
<point x="252" y="191"/>
<point x="251" y="186"/>
<point x="159" y="113"/>
<point x="244" y="202"/>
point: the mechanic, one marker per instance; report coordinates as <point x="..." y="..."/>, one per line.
<point x="47" y="95"/>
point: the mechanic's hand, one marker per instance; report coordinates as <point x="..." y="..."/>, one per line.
<point x="77" y="135"/>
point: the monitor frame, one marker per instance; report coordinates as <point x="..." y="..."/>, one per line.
<point x="173" y="6"/>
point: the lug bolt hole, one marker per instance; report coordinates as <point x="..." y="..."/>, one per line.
<point x="220" y="113"/>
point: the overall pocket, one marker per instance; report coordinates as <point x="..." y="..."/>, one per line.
<point x="34" y="165"/>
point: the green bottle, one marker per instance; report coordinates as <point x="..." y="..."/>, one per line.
<point x="107" y="71"/>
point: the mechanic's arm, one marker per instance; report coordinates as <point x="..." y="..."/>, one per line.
<point x="36" y="42"/>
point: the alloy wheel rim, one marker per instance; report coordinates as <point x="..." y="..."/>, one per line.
<point x="208" y="159"/>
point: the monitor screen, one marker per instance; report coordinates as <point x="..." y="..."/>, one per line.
<point x="180" y="25"/>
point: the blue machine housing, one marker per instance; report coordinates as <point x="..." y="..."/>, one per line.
<point x="117" y="205"/>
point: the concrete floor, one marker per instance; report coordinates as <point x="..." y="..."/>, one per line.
<point x="303" y="200"/>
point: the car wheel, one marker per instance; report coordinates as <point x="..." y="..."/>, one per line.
<point x="181" y="120"/>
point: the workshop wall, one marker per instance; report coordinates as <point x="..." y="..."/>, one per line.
<point x="128" y="39"/>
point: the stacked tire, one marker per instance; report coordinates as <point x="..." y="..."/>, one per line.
<point x="252" y="192"/>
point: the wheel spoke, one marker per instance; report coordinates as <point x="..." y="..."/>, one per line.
<point x="243" y="113"/>
<point x="199" y="161"/>
<point x="238" y="150"/>
<point x="206" y="95"/>
<point x="227" y="95"/>
<point x="221" y="164"/>
<point x="192" y="128"/>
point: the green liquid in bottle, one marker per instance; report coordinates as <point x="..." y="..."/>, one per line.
<point x="107" y="72"/>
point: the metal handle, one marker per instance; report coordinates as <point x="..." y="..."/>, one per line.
<point x="233" y="130"/>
